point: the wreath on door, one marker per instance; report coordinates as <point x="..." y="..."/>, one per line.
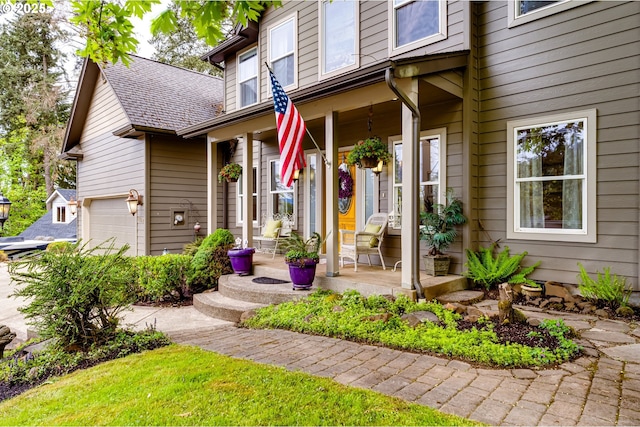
<point x="345" y="189"/>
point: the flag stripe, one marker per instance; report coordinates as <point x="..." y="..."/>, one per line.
<point x="291" y="130"/>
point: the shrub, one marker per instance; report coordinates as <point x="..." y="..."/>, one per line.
<point x="54" y="360"/>
<point x="610" y="289"/>
<point x="163" y="276"/>
<point x="75" y="296"/>
<point x="192" y="247"/>
<point x="211" y="260"/>
<point x="488" y="271"/>
<point x="59" y="247"/>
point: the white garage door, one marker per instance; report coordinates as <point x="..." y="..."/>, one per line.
<point x="111" y="218"/>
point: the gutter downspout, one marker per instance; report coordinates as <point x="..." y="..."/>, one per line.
<point x="415" y="151"/>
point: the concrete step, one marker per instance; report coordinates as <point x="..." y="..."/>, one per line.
<point x="433" y="287"/>
<point x="467" y="297"/>
<point x="244" y="289"/>
<point x="216" y="305"/>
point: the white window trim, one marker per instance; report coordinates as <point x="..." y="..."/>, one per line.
<point x="514" y="19"/>
<point x="239" y="219"/>
<point x="440" y="35"/>
<point x="321" y="74"/>
<point x="272" y="27"/>
<point x="54" y="214"/>
<point x="319" y="191"/>
<point x="440" y="133"/>
<point x="257" y="77"/>
<point x="361" y="176"/>
<point x="586" y="235"/>
<point x="270" y="160"/>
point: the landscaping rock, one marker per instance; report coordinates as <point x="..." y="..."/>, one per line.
<point x="418" y="317"/>
<point x="456" y="307"/>
<point x="534" y="321"/>
<point x="602" y="313"/>
<point x="382" y="316"/>
<point x="624" y="311"/>
<point x="337" y="309"/>
<point x="473" y="311"/>
<point x="555" y="289"/>
<point x="6" y="336"/>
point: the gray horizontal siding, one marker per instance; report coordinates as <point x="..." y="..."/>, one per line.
<point x="177" y="180"/>
<point x="586" y="57"/>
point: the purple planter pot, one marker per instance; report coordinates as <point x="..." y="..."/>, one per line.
<point x="302" y="275"/>
<point x="242" y="260"/>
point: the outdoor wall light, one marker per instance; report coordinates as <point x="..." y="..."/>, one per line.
<point x="133" y="201"/>
<point x="378" y="168"/>
<point x="5" y="206"/>
<point x="74" y="205"/>
<point x="297" y="173"/>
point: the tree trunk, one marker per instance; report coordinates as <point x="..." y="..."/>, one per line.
<point x="505" y="303"/>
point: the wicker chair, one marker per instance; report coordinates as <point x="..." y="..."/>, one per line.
<point x="274" y="229"/>
<point x="366" y="242"/>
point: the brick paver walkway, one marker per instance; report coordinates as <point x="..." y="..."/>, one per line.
<point x="588" y="391"/>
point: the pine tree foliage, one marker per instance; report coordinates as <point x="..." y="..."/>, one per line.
<point x="489" y="271"/>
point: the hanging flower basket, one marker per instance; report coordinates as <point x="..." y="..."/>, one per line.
<point x="368" y="153"/>
<point x="230" y="172"/>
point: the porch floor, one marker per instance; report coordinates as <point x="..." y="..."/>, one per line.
<point x="367" y="280"/>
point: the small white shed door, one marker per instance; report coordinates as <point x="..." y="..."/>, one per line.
<point x="111" y="218"/>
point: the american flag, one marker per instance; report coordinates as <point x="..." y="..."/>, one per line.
<point x="291" y="129"/>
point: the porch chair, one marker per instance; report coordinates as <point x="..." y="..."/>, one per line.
<point x="274" y="228"/>
<point x="365" y="242"/>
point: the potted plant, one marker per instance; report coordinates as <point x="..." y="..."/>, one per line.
<point x="231" y="172"/>
<point x="302" y="258"/>
<point x="241" y="258"/>
<point x="438" y="231"/>
<point x="368" y="153"/>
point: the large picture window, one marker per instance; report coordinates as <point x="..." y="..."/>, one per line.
<point x="339" y="53"/>
<point x="282" y="51"/>
<point x="416" y="23"/>
<point x="281" y="198"/>
<point x="248" y="77"/>
<point x="432" y="172"/>
<point x="552" y="169"/>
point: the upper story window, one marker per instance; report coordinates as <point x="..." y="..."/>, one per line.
<point x="552" y="177"/>
<point x="60" y="214"/>
<point x="282" y="51"/>
<point x="523" y="11"/>
<point x="416" y="23"/>
<point x="432" y="170"/>
<point x="248" y="77"/>
<point x="339" y="36"/>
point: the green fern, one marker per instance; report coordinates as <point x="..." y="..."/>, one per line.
<point x="613" y="290"/>
<point x="488" y="271"/>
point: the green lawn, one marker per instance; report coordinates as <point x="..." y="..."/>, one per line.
<point x="178" y="385"/>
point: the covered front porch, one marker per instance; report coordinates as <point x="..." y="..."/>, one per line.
<point x="368" y="280"/>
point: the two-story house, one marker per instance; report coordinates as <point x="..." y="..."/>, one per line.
<point x="528" y="110"/>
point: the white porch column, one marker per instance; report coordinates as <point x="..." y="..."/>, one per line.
<point x="247" y="191"/>
<point x="212" y="187"/>
<point x="331" y="200"/>
<point x="410" y="250"/>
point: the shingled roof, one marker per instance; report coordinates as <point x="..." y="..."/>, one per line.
<point x="156" y="97"/>
<point x="160" y="96"/>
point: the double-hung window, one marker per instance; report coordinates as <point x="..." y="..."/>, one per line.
<point x="60" y="216"/>
<point x="432" y="173"/>
<point x="282" y="51"/>
<point x="282" y="199"/>
<point x="339" y="36"/>
<point x="552" y="177"/>
<point x="254" y="193"/>
<point x="416" y="23"/>
<point x="248" y="77"/>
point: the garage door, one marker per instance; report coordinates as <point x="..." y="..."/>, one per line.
<point x="111" y="218"/>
